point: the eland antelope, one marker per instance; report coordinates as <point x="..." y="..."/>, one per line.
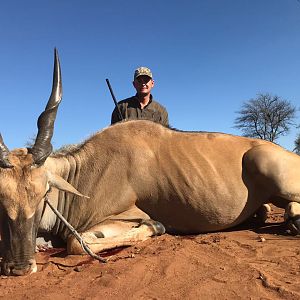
<point x="133" y="173"/>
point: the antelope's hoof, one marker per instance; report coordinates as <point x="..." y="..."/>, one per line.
<point x="293" y="225"/>
<point x="157" y="227"/>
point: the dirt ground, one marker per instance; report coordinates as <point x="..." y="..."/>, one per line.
<point x="245" y="263"/>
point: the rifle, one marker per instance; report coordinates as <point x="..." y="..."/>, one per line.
<point x="114" y="99"/>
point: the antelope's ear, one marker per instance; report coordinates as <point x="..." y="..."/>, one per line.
<point x="61" y="184"/>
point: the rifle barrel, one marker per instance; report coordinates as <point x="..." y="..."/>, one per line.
<point x="114" y="99"/>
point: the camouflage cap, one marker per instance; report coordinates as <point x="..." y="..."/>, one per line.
<point x="142" y="71"/>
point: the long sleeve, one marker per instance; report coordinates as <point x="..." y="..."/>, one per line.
<point x="165" y="118"/>
<point x="115" y="117"/>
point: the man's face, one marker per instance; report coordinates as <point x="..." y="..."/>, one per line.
<point x="143" y="84"/>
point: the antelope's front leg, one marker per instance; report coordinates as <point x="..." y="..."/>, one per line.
<point x="97" y="241"/>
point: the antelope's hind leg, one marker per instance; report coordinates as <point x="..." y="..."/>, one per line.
<point x="277" y="172"/>
<point x="288" y="196"/>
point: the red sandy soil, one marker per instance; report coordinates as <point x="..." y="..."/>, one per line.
<point x="244" y="263"/>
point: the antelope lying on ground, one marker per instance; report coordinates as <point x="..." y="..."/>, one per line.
<point x="134" y="173"/>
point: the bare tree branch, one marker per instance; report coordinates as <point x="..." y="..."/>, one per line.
<point x="266" y="117"/>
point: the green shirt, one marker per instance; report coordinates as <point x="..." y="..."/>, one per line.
<point x="131" y="110"/>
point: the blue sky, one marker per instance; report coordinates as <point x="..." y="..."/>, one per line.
<point x="207" y="56"/>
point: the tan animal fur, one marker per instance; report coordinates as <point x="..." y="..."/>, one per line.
<point x="134" y="173"/>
